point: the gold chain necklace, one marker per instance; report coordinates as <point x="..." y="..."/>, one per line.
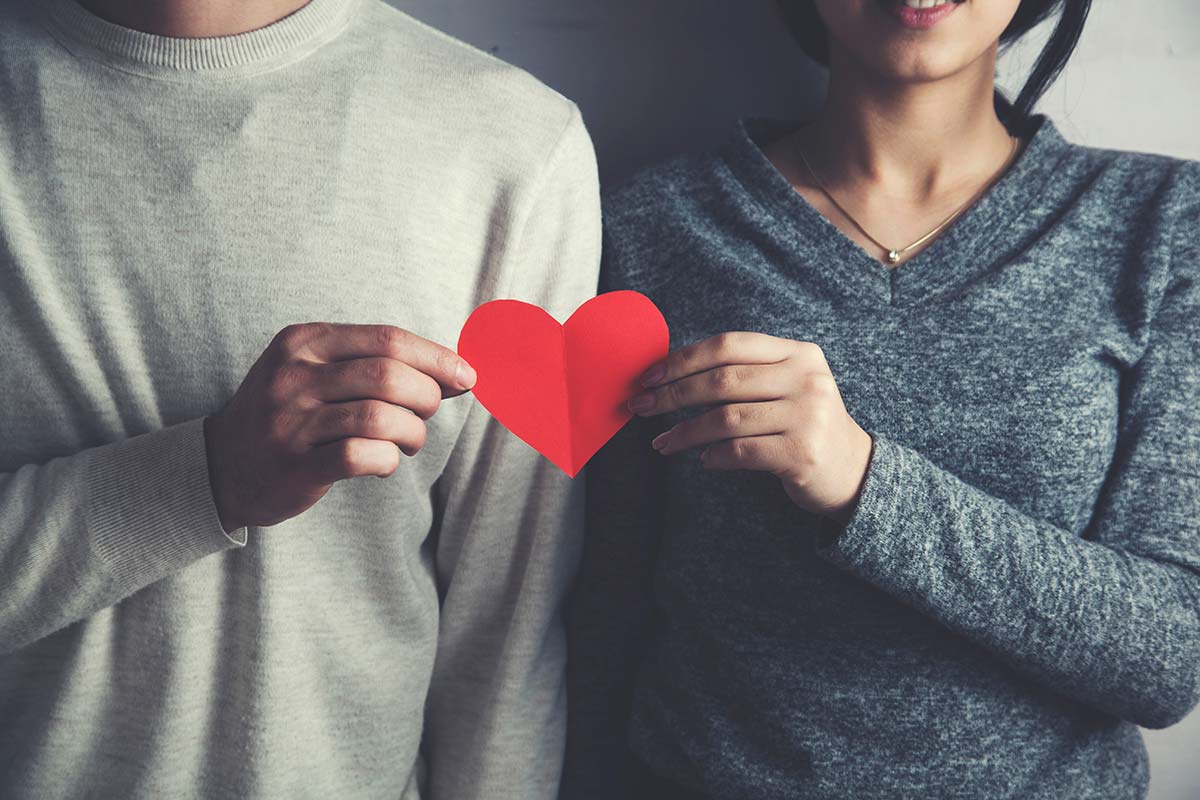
<point x="894" y="255"/>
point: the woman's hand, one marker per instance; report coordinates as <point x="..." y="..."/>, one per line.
<point x="776" y="408"/>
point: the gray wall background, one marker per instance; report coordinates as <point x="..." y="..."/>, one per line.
<point x="656" y="77"/>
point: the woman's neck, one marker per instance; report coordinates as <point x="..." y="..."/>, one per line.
<point x="914" y="142"/>
<point x="901" y="158"/>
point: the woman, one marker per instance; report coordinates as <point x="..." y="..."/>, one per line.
<point x="928" y="523"/>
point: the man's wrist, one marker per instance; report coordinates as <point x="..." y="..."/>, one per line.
<point x="229" y="522"/>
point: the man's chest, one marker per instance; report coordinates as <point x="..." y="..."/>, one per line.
<point x="137" y="298"/>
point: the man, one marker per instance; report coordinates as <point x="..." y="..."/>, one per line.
<point x="186" y="188"/>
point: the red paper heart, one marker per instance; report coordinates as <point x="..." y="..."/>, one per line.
<point x="562" y="389"/>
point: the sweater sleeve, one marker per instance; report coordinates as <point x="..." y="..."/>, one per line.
<point x="83" y="532"/>
<point x="1111" y="618"/>
<point x="509" y="537"/>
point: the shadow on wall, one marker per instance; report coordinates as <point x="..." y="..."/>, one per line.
<point x="650" y="77"/>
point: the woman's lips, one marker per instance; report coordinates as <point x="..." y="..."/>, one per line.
<point x="918" y="19"/>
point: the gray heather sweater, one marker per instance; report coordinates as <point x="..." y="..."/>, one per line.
<point x="1019" y="585"/>
<point x="166" y="206"/>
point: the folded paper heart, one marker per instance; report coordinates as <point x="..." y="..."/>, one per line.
<point x="563" y="389"/>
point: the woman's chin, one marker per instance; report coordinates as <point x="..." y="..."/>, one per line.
<point x="915" y="41"/>
<point x="921" y="68"/>
<point x="918" y="63"/>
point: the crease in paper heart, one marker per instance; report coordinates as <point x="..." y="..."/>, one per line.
<point x="563" y="388"/>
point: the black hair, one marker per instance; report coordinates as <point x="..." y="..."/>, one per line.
<point x="808" y="28"/>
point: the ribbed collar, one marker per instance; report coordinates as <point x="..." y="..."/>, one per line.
<point x="282" y="42"/>
<point x="984" y="237"/>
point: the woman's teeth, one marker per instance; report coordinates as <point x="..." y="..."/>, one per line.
<point x="924" y="3"/>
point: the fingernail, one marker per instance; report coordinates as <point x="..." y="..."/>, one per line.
<point x="465" y="375"/>
<point x="653" y="375"/>
<point x="661" y="440"/>
<point x="642" y="403"/>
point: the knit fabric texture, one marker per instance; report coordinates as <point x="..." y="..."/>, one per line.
<point x="1018" y="587"/>
<point x="167" y="206"/>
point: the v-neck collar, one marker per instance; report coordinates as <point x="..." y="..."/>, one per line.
<point x="971" y="245"/>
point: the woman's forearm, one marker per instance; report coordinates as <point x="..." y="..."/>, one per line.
<point x="1111" y="620"/>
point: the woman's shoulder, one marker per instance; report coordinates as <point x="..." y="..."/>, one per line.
<point x="675" y="186"/>
<point x="1151" y="201"/>
<point x="660" y="211"/>
<point x="1149" y="190"/>
<point x="1134" y="175"/>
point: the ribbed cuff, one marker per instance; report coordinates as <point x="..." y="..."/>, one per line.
<point x="150" y="506"/>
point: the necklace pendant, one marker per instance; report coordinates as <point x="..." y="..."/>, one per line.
<point x="894" y="256"/>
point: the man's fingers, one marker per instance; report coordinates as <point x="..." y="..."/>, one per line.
<point x="727" y="384"/>
<point x="365" y="419"/>
<point x="353" y="458"/>
<point x="722" y="350"/>
<point x="377" y="378"/>
<point x="726" y="422"/>
<point x="329" y="342"/>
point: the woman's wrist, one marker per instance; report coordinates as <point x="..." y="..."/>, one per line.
<point x="859" y="466"/>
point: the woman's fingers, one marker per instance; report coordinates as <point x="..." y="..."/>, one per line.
<point x="759" y="453"/>
<point x="727" y="349"/>
<point x="727" y="422"/>
<point x="729" y="368"/>
<point x="772" y="405"/>
<point x="736" y="383"/>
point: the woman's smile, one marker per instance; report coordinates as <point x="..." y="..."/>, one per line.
<point x="919" y="14"/>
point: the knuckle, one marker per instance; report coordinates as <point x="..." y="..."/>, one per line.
<point x="379" y="374"/>
<point x="285" y="340"/>
<point x="725" y="345"/>
<point x="418" y="436"/>
<point x="391" y="462"/>
<point x="285" y="383"/>
<point x="446" y="361"/>
<point x="344" y="417"/>
<point x="674" y="395"/>
<point x="428" y="398"/>
<point x="725" y="379"/>
<point x="293" y="337"/>
<point x="819" y="384"/>
<point x="811" y="350"/>
<point x="351" y="456"/>
<point x="372" y="416"/>
<point x="419" y="395"/>
<point x="731" y="418"/>
<point x="391" y="338"/>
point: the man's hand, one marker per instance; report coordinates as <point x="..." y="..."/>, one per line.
<point x="324" y="403"/>
<point x="775" y="408"/>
